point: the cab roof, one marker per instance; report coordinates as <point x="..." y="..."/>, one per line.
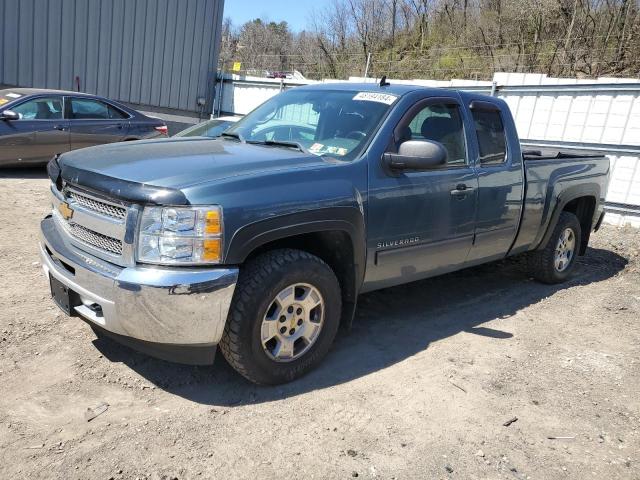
<point x="395" y="89"/>
<point x="402" y="89"/>
<point x="38" y="91"/>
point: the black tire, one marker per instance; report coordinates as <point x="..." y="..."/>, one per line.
<point x="541" y="262"/>
<point x="261" y="279"/>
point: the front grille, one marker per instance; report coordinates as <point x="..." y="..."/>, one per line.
<point x="95" y="239"/>
<point x="98" y="206"/>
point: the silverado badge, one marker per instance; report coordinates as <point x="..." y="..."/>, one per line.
<point x="65" y="210"/>
<point x="398" y="243"/>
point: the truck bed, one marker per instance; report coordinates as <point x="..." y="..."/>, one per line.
<point x="551" y="177"/>
<point x="554" y="154"/>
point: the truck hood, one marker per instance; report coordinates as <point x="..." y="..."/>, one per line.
<point x="179" y="163"/>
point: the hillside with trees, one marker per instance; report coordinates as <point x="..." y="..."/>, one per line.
<point x="444" y="39"/>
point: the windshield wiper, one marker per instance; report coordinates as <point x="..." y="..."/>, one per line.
<point x="233" y="135"/>
<point x="280" y="143"/>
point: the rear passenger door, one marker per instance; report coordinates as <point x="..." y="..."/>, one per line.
<point x="421" y="223"/>
<point x="93" y="122"/>
<point x="500" y="181"/>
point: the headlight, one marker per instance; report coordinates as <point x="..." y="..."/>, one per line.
<point x="185" y="235"/>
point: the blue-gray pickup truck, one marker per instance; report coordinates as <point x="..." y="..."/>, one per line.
<point x="261" y="241"/>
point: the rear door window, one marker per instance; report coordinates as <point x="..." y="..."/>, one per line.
<point x="116" y="113"/>
<point x="44" y="108"/>
<point x="491" y="137"/>
<point x="88" y="109"/>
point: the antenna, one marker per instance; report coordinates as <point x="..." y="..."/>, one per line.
<point x="383" y="81"/>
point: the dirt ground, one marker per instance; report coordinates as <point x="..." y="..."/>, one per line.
<point x="421" y="388"/>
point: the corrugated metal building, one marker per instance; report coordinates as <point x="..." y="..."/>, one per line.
<point x="155" y="53"/>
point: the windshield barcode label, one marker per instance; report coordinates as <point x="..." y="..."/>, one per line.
<point x="376" y="97"/>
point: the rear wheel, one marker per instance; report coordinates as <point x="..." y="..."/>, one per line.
<point x="284" y="316"/>
<point x="556" y="262"/>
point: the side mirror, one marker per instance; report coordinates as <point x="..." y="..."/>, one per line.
<point x="9" y="115"/>
<point x="417" y="155"/>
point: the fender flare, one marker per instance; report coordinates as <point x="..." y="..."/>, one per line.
<point x="566" y="196"/>
<point x="345" y="219"/>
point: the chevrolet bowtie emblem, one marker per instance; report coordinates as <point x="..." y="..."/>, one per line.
<point x="65" y="210"/>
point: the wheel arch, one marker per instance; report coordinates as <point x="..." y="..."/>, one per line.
<point x="580" y="200"/>
<point x="584" y="208"/>
<point x="336" y="235"/>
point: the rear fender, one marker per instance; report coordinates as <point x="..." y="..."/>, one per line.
<point x="564" y="197"/>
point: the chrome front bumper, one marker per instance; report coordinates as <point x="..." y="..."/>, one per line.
<point x="161" y="306"/>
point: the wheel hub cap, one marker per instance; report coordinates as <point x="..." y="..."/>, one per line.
<point x="292" y="322"/>
<point x="565" y="250"/>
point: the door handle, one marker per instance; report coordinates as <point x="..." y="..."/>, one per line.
<point x="62" y="128"/>
<point x="461" y="189"/>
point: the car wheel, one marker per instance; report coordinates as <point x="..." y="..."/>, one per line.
<point x="284" y="316"/>
<point x="556" y="262"/>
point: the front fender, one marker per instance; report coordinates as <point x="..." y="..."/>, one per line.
<point x="346" y="219"/>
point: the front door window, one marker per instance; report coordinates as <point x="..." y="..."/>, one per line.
<point x="442" y="123"/>
<point x="46" y="108"/>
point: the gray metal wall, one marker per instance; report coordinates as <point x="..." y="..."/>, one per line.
<point x="160" y="53"/>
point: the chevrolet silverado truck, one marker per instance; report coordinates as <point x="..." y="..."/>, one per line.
<point x="260" y="241"/>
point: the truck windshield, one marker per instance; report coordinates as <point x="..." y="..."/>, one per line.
<point x="323" y="122"/>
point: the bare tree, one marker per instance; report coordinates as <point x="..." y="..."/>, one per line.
<point x="448" y="38"/>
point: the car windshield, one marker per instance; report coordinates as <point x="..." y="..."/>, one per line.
<point x="323" y="122"/>
<point x="211" y="128"/>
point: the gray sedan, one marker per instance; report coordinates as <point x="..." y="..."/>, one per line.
<point x="36" y="124"/>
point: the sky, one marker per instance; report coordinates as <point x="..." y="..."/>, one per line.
<point x="294" y="12"/>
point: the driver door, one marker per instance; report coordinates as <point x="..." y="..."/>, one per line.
<point x="39" y="134"/>
<point x="421" y="223"/>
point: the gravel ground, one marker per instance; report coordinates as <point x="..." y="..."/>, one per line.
<point x="422" y="387"/>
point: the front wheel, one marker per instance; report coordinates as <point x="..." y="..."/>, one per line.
<point x="284" y="316"/>
<point x="556" y="262"/>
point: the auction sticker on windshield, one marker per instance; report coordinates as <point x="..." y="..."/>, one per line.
<point x="320" y="149"/>
<point x="385" y="98"/>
